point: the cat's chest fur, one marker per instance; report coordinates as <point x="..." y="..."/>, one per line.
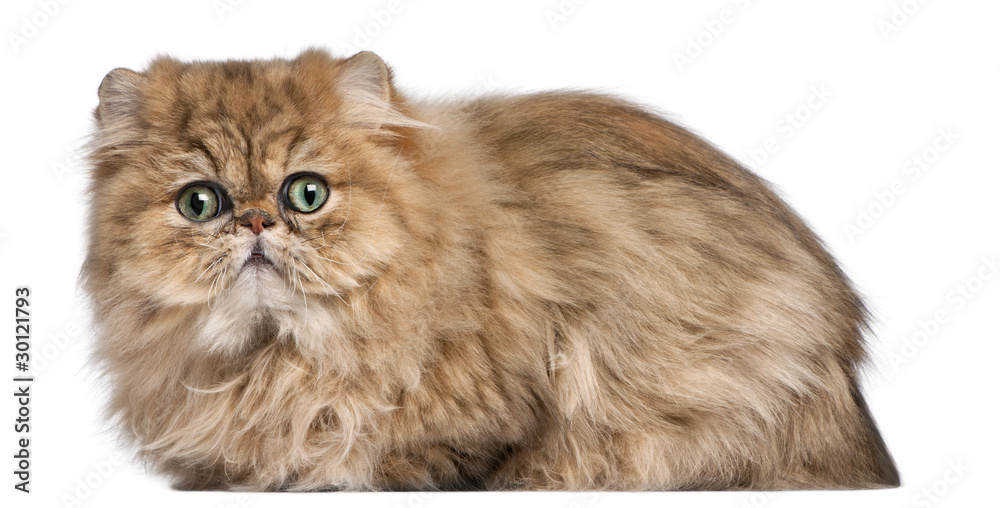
<point x="361" y="410"/>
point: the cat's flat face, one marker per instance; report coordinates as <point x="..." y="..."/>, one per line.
<point x="249" y="189"/>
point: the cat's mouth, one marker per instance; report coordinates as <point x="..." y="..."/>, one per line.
<point x="257" y="259"/>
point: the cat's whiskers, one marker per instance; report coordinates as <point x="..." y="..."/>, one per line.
<point x="337" y="293"/>
<point x="341" y="262"/>
<point x="211" y="291"/>
<point x="218" y="280"/>
<point x="297" y="281"/>
<point x="209" y="267"/>
<point x="341" y="298"/>
<point x="317" y="278"/>
<point x="176" y="242"/>
<point x="219" y="388"/>
<point x="193" y="231"/>
<point x="203" y="244"/>
<point x="362" y="297"/>
<point x="321" y="281"/>
<point x="321" y="236"/>
<point x="207" y="245"/>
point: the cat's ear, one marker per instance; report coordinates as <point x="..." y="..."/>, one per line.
<point x="120" y="96"/>
<point x="366" y="74"/>
<point x="369" y="100"/>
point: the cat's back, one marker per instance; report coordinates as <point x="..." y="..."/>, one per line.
<point x="571" y="130"/>
<point x="553" y="146"/>
<point x="586" y="188"/>
<point x="591" y="162"/>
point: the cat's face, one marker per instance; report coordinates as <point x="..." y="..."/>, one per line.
<point x="251" y="190"/>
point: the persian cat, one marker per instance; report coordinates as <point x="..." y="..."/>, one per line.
<point x="303" y="280"/>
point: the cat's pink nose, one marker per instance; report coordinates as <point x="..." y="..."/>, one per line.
<point x="256" y="220"/>
<point x="257" y="224"/>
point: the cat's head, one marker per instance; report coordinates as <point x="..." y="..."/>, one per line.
<point x="250" y="188"/>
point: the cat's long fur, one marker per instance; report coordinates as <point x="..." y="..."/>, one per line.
<point x="551" y="291"/>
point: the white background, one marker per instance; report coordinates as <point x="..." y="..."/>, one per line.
<point x="891" y="84"/>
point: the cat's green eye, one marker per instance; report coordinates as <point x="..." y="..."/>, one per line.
<point x="199" y="202"/>
<point x="305" y="192"/>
